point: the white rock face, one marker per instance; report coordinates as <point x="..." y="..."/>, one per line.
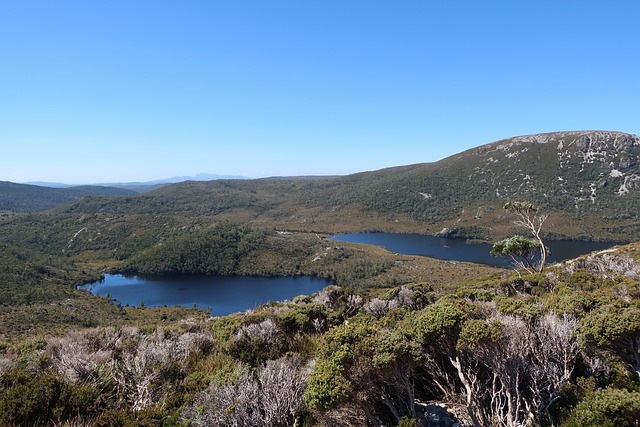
<point x="587" y="165"/>
<point x="630" y="182"/>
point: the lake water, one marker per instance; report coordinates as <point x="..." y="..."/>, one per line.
<point x="459" y="250"/>
<point x="224" y="295"/>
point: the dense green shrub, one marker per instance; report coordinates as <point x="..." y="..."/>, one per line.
<point x="606" y="408"/>
<point x="28" y="399"/>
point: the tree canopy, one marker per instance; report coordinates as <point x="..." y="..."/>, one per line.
<point x="527" y="253"/>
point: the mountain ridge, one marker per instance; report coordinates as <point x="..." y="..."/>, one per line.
<point x="152" y="183"/>
<point x="464" y="192"/>
<point x="588" y="181"/>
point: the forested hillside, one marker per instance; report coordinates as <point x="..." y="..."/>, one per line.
<point x="29" y="198"/>
<point x="588" y="181"/>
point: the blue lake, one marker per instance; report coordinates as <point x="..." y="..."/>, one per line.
<point x="459" y="250"/>
<point x="224" y="295"/>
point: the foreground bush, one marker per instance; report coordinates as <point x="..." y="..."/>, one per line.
<point x="270" y="396"/>
<point x="607" y="408"/>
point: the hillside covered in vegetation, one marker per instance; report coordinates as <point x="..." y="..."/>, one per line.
<point x="588" y="181"/>
<point x="29" y="198"/>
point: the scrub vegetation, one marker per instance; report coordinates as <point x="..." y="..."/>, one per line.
<point x="556" y="348"/>
<point x="495" y="347"/>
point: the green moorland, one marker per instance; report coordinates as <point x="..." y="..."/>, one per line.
<point x="395" y="334"/>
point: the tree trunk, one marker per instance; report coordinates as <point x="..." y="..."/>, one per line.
<point x="469" y="391"/>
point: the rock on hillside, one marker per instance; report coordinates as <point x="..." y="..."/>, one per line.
<point x="584" y="166"/>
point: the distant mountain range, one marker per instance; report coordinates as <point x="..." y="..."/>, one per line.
<point x="141" y="187"/>
<point x="38" y="195"/>
<point x="589" y="181"/>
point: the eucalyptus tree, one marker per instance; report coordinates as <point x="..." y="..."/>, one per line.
<point x="529" y="254"/>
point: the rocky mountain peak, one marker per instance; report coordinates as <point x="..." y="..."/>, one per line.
<point x="581" y="165"/>
<point x="579" y="137"/>
<point x="593" y="141"/>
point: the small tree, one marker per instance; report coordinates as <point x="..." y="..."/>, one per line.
<point x="527" y="253"/>
<point x="523" y="251"/>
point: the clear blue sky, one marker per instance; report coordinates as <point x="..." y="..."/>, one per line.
<point x="104" y="91"/>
